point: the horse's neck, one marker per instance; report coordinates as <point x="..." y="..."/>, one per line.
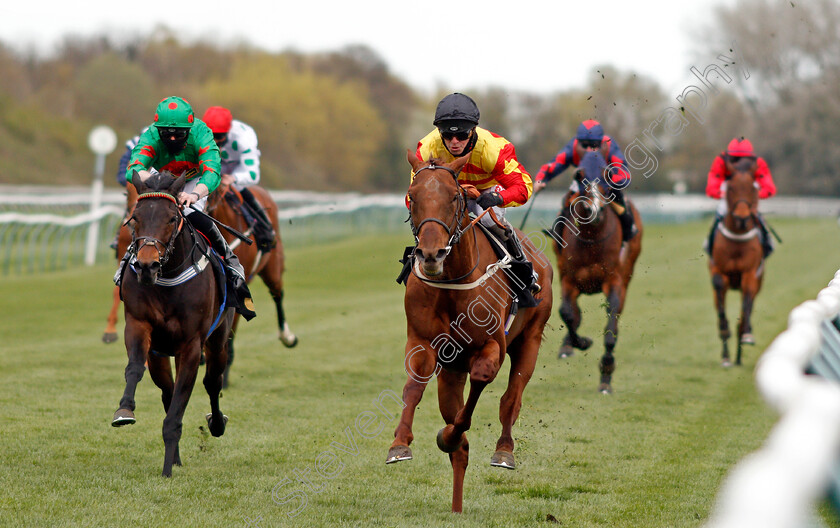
<point x="182" y="249"/>
<point x="463" y="256"/>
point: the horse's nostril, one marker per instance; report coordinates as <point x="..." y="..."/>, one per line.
<point x="154" y="267"/>
<point x="441" y="254"/>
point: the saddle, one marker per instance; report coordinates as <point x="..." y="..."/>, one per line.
<point x="263" y="231"/>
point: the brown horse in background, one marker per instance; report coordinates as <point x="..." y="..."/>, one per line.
<point x="173" y="307"/>
<point x="593" y="262"/>
<point x="225" y="204"/>
<point x="737" y="260"/>
<point x="123" y="240"/>
<point x="456" y="315"/>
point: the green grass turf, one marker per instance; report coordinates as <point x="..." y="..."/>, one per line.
<point x="651" y="455"/>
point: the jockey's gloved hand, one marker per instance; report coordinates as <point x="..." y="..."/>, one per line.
<point x="488" y="200"/>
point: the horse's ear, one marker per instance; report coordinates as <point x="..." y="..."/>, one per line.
<point x="138" y="183"/>
<point x="178" y="185"/>
<point x="413" y="160"/>
<point x="459" y="163"/>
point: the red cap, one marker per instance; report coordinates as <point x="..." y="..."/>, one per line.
<point x="740" y="147"/>
<point x="218" y="118"/>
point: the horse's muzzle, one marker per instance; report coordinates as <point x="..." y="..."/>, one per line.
<point x="431" y="261"/>
<point x="148" y="272"/>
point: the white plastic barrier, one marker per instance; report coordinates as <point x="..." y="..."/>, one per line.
<point x="780" y="485"/>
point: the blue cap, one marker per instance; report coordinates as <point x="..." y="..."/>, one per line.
<point x="591" y="130"/>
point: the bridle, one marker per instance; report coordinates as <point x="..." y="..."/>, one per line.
<point x="168" y="247"/>
<point x="453" y="229"/>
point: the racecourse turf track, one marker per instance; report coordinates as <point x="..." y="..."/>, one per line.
<point x="653" y="454"/>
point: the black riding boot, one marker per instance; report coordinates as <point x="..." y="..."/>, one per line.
<point x="264" y="233"/>
<point x="628" y="223"/>
<point x="521" y="269"/>
<point x="766" y="241"/>
<point x="236" y="273"/>
<point x="710" y="240"/>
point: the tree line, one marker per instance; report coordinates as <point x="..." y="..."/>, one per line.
<point x="341" y="121"/>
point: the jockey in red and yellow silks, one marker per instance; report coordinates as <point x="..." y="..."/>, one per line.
<point x="492" y="169"/>
<point x="492" y="165"/>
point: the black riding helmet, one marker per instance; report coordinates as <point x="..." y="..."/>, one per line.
<point x="456" y="113"/>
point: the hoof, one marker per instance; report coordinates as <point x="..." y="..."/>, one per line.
<point x="109" y="337"/>
<point x="565" y="352"/>
<point x="583" y="343"/>
<point x="209" y="418"/>
<point x="747" y="339"/>
<point x="503" y="459"/>
<point x="441" y="443"/>
<point x="726" y="363"/>
<point x="123" y="417"/>
<point x="605" y="388"/>
<point x="398" y="454"/>
<point x="287" y="337"/>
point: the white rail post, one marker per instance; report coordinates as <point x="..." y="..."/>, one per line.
<point x="102" y="140"/>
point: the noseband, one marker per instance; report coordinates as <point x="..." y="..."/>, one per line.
<point x="169" y="246"/>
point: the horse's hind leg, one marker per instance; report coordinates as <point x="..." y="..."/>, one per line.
<point x="721" y="284"/>
<point x="137" y="341"/>
<point x="214" y="375"/>
<point x="230" y="350"/>
<point x="110" y="334"/>
<point x="160" y="371"/>
<point x="187" y="371"/>
<point x="570" y="313"/>
<point x="272" y="276"/>
<point x="522" y="366"/>
<point x="451" y="401"/>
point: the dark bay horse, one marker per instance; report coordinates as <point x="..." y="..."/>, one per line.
<point x="457" y="305"/>
<point x="593" y="262"/>
<point x="123" y="240"/>
<point x="737" y="260"/>
<point x="225" y="206"/>
<point x="173" y="307"/>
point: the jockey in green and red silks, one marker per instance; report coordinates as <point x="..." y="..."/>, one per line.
<point x="178" y="142"/>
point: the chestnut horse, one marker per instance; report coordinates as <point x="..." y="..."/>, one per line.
<point x="593" y="261"/>
<point x="737" y="260"/>
<point x="173" y="307"/>
<point x="457" y="306"/>
<point x="123" y="240"/>
<point x="269" y="266"/>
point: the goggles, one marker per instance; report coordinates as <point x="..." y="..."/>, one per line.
<point x="588" y="143"/>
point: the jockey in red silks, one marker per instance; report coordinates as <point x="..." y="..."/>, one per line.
<point x="590" y="137"/>
<point x="716" y="186"/>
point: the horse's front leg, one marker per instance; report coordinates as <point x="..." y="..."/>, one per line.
<point x="483" y="369"/>
<point x="421" y="367"/>
<point x="614" y="294"/>
<point x="137" y="343"/>
<point x="749" y="290"/>
<point x="187" y="358"/>
<point x="720" y="283"/>
<point x="570" y="313"/>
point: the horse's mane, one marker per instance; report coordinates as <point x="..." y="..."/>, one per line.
<point x="745" y="165"/>
<point x="160" y="181"/>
